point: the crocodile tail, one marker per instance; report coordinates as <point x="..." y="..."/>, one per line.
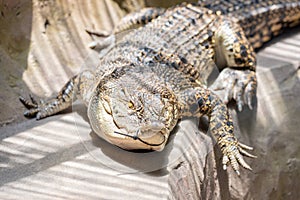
<point x="260" y="19"/>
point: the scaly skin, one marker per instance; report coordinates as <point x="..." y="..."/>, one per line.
<point x="156" y="75"/>
<point x="135" y="19"/>
<point x="261" y="20"/>
<point x="130" y="21"/>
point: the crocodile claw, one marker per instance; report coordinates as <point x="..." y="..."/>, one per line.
<point x="233" y="155"/>
<point x="33" y="107"/>
<point x="101" y="44"/>
<point x="237" y="85"/>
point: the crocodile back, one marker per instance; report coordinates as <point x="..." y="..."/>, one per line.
<point x="185" y="30"/>
<point x="260" y="19"/>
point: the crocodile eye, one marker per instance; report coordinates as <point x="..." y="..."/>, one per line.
<point x="130" y="105"/>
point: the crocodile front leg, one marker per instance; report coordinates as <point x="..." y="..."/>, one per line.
<point x="239" y="85"/>
<point x="77" y="86"/>
<point x="233" y="50"/>
<point x="204" y="102"/>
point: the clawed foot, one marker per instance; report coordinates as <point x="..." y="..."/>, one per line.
<point x="104" y="39"/>
<point x="98" y="33"/>
<point x="233" y="154"/>
<point x="34" y="108"/>
<point x="239" y="85"/>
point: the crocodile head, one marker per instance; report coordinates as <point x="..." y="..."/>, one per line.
<point x="134" y="111"/>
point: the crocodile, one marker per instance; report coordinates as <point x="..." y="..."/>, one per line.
<point x="155" y="75"/>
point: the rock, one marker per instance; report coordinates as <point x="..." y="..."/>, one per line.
<point x="60" y="158"/>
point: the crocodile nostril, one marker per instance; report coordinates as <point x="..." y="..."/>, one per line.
<point x="152" y="126"/>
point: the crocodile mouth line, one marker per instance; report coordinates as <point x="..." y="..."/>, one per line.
<point x="109" y="114"/>
<point x="135" y="137"/>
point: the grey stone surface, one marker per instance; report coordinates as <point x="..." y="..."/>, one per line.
<point x="43" y="43"/>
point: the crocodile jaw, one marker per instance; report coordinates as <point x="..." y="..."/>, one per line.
<point x="104" y="126"/>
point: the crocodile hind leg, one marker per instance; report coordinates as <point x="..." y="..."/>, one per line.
<point x="200" y="101"/>
<point x="234" y="51"/>
<point x="139" y="18"/>
<point x="77" y="86"/>
<point x="129" y="21"/>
